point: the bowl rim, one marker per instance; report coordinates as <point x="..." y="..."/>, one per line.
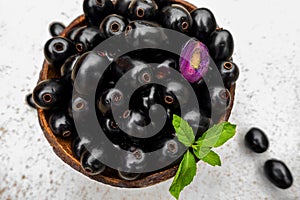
<point x="62" y="147"/>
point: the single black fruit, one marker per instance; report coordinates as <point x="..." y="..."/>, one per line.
<point x="57" y="50"/>
<point x="56" y="28"/>
<point x="176" y="17"/>
<point x="256" y="140"/>
<point x="96" y="10"/>
<point x="220" y="100"/>
<point x="143" y="9"/>
<point x="87" y="72"/>
<point x="61" y="124"/>
<point x="68" y="66"/>
<point x="145" y="34"/>
<point x="50" y="93"/>
<point x="121" y="7"/>
<point x="128" y="176"/>
<point x="79" y="146"/>
<point x="29" y="101"/>
<point x="113" y="25"/>
<point x="90" y="162"/>
<point x="229" y="72"/>
<point x="214" y="101"/>
<point x="204" y="23"/>
<point x="278" y="173"/>
<point x="87" y="38"/>
<point x="221" y="45"/>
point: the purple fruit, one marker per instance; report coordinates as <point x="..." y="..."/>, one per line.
<point x="194" y="60"/>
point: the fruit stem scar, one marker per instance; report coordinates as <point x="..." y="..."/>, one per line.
<point x="115" y="27"/>
<point x="185" y="25"/>
<point x="47" y="98"/>
<point x="59" y="46"/>
<point x="228" y="65"/>
<point x="140" y="12"/>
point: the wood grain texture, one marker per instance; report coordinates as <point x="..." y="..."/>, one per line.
<point x="62" y="147"/>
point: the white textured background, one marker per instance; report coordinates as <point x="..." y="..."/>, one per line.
<point x="267" y="38"/>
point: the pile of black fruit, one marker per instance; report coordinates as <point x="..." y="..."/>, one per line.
<point x="104" y="19"/>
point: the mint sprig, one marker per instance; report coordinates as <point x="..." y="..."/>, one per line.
<point x="186" y="169"/>
<point x="214" y="137"/>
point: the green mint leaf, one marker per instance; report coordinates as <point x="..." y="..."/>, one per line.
<point x="227" y="133"/>
<point x="184" y="175"/>
<point x="200" y="152"/>
<point x="183" y="130"/>
<point x="212" y="158"/>
<point x="217" y="135"/>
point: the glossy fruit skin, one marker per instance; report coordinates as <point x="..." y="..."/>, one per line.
<point x="176" y="17"/>
<point x="111" y="129"/>
<point x="80" y="110"/>
<point x="169" y="153"/>
<point x="197" y="121"/>
<point x="204" y="23"/>
<point x="96" y="10"/>
<point x="215" y="99"/>
<point x="229" y="72"/>
<point x="56" y="28"/>
<point x="72" y="33"/>
<point x="144" y="97"/>
<point x="128" y="176"/>
<point x="164" y="69"/>
<point x="107" y="25"/>
<point x="142" y="9"/>
<point x="61" y="124"/>
<point x="220" y="100"/>
<point x="137" y="71"/>
<point x="29" y="101"/>
<point x="88" y="72"/>
<point x="278" y="173"/>
<point x="68" y="66"/>
<point x="109" y="97"/>
<point x="87" y="38"/>
<point x="162" y="3"/>
<point x="79" y="146"/>
<point x="256" y="140"/>
<point x="171" y="149"/>
<point x="50" y="93"/>
<point x="133" y="126"/>
<point x="120" y="66"/>
<point x="133" y="160"/>
<point x="145" y="34"/>
<point x="121" y="7"/>
<point x="57" y="50"/>
<point x="90" y="162"/>
<point x="221" y="45"/>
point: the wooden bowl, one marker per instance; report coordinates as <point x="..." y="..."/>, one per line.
<point x="62" y="147"/>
